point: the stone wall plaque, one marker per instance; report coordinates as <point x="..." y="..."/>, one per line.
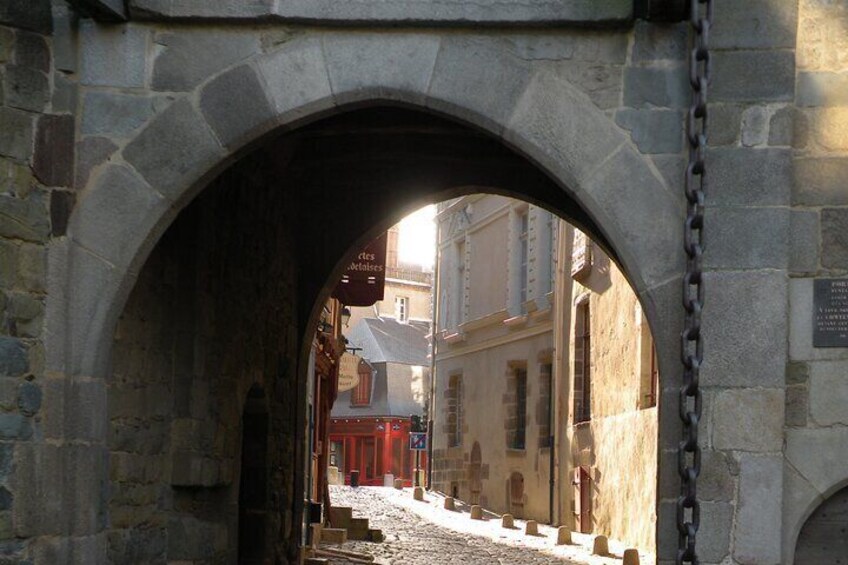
<point x="830" y="313"/>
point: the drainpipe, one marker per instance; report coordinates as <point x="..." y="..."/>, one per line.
<point x="432" y="407"/>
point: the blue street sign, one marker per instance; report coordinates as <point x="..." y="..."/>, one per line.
<point x="418" y="441"/>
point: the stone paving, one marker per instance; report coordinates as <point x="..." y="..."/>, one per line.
<point x="425" y="533"/>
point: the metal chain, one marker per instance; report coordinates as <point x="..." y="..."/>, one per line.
<point x="692" y="346"/>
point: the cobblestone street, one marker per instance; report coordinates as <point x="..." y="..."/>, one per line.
<point x="425" y="533"/>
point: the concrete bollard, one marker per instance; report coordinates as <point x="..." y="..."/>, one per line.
<point x="564" y="536"/>
<point x="449" y="503"/>
<point x="531" y="528"/>
<point x="600" y="546"/>
<point x="418" y="493"/>
<point x="631" y="557"/>
<point x="399" y="484"/>
<point x="476" y="512"/>
<point x="507" y="521"/>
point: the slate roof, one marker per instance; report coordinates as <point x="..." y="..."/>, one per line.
<point x="385" y="340"/>
<point x="395" y="351"/>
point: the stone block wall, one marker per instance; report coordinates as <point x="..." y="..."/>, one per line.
<point x="210" y="316"/>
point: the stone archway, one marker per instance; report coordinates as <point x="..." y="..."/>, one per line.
<point x="824" y="537"/>
<point x="130" y="201"/>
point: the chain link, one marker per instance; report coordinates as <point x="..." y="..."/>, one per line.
<point x="691" y="343"/>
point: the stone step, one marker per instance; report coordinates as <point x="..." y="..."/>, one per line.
<point x="333" y="535"/>
<point x="340" y="516"/>
<point x="375" y="535"/>
<point x="316" y="561"/>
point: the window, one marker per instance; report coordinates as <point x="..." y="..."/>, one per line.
<point x="454" y="403"/>
<point x="517" y="424"/>
<point x="361" y="395"/>
<point x="582" y="364"/>
<point x="402" y="308"/>
<point x="523" y="227"/>
<point x="459" y="284"/>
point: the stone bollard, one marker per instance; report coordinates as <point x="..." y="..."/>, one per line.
<point x="476" y="512"/>
<point x="399" y="484"/>
<point x="507" y="521"/>
<point x="564" y="536"/>
<point x="418" y="493"/>
<point x="600" y="546"/>
<point x="631" y="557"/>
<point x="531" y="528"/>
<point x="449" y="503"/>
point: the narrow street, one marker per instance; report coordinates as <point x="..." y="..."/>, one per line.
<point x="425" y="533"/>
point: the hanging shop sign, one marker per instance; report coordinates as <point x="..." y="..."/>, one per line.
<point x="363" y="282"/>
<point x="581" y="255"/>
<point x="349" y="371"/>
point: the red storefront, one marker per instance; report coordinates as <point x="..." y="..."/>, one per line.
<point x="374" y="447"/>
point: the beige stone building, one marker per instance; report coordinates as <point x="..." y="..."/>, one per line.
<point x="562" y="434"/>
<point x="607" y="381"/>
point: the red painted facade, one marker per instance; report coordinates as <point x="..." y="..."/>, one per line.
<point x="374" y="447"/>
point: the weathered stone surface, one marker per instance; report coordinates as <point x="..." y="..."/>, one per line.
<point x="654" y="42"/>
<point x="747" y="238"/>
<point x="799" y="497"/>
<point x="750" y="177"/>
<point x="15" y="427"/>
<point x="113" y="114"/>
<point x="24" y="314"/>
<point x="648" y="201"/>
<point x="753" y="76"/>
<point x="829" y="393"/>
<point x="29" y="398"/>
<point x="121" y="208"/>
<point x="653" y="131"/>
<point x="570" y="137"/>
<point x="725" y="124"/>
<point x="602" y="83"/>
<point x="828" y="127"/>
<point x="755" y="24"/>
<point x="759" y="323"/>
<point x="751" y="420"/>
<point x="91" y="152"/>
<point x="834" y="238"/>
<point x="661" y="87"/>
<point x="782" y="127"/>
<point x="193" y="539"/>
<point x="177" y="143"/>
<point x="65" y="39"/>
<point x="24" y="218"/>
<point x="797" y="406"/>
<point x="53" y="162"/>
<point x="816" y="454"/>
<point x="113" y="55"/>
<point x="65" y="95"/>
<point x="804" y="241"/>
<point x="822" y="89"/>
<point x="755" y="121"/>
<point x="401" y="11"/>
<point x="31" y="51"/>
<point x="459" y="87"/>
<point x="7" y="44"/>
<point x="13" y="357"/>
<point x="236" y="107"/>
<point x="758" y="517"/>
<point x="61" y="205"/>
<point x="27" y="14"/>
<point x="191" y="56"/>
<point x="297" y="79"/>
<point x="386" y="65"/>
<point x="821" y="181"/>
<point x="26" y="88"/>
